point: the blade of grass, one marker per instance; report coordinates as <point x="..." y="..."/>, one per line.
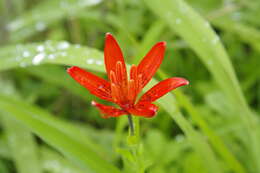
<point x="53" y="162"/>
<point x="197" y="32"/>
<point x="247" y="33"/>
<point x="149" y="39"/>
<point x="22" y="145"/>
<point x="196" y="139"/>
<point x="58" y="76"/>
<point x="50" y="52"/>
<point x="21" y="142"/>
<point x="43" y="15"/>
<point x="18" y="6"/>
<point x="152" y="35"/>
<point x="4" y="150"/>
<point x="216" y="142"/>
<point x="40" y="123"/>
<point x="3" y="167"/>
<point x="50" y="160"/>
<point x="179" y="16"/>
<point x="73" y="130"/>
<point x="214" y="139"/>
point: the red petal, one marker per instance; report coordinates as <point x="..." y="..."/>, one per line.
<point x="146" y="109"/>
<point x="108" y="111"/>
<point x="113" y="56"/>
<point x="162" y="88"/>
<point x="151" y="62"/>
<point x="96" y="85"/>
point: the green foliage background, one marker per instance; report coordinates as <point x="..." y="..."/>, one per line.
<point x="47" y="124"/>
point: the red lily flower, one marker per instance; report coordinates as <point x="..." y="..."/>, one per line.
<point x="124" y="91"/>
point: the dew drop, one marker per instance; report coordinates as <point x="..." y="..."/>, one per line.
<point x="26" y="54"/>
<point x="53" y="165"/>
<point x="40" y="48"/>
<point x="63" y="45"/>
<point x="77" y="46"/>
<point x="40" y="26"/>
<point x="207" y="25"/>
<point x="23" y="64"/>
<point x="90" y="61"/>
<point x="99" y="62"/>
<point x="18" y="58"/>
<point x="16" y="24"/>
<point x="51" y="56"/>
<point x="38" y="58"/>
<point x="48" y="42"/>
<point x="93" y="2"/>
<point x="179" y="138"/>
<point x="63" y="54"/>
<point x="215" y="40"/>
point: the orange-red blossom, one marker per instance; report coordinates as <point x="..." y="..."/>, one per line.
<point x="122" y="90"/>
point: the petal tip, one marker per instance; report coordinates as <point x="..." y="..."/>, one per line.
<point x="185" y="82"/>
<point x="108" y="34"/>
<point x="182" y="81"/>
<point x="71" y="69"/>
<point x="154" y="109"/>
<point x="93" y="103"/>
<point x="154" y="112"/>
<point x="162" y="43"/>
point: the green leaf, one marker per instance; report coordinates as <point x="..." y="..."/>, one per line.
<point x="246" y="33"/>
<point x="21" y="142"/>
<point x="50" y="52"/>
<point x="206" y="43"/>
<point x="46" y="127"/>
<point x="198" y="33"/>
<point x="215" y="140"/>
<point x="58" y="76"/>
<point x="22" y="145"/>
<point x="53" y="162"/>
<point x="196" y="139"/>
<point x="149" y="39"/>
<point x="44" y="14"/>
<point x="3" y="167"/>
<point x="4" y="151"/>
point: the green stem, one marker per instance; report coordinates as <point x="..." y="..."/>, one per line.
<point x="134" y="144"/>
<point x="131" y="125"/>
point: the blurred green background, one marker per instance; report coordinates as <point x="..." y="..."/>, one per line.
<point x="47" y="124"/>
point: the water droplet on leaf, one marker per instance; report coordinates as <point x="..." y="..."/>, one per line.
<point x="63" y="45"/>
<point x="40" y="48"/>
<point x="38" y="58"/>
<point x="99" y="62"/>
<point x="90" y="61"/>
<point x="26" y="54"/>
<point x="40" y="26"/>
